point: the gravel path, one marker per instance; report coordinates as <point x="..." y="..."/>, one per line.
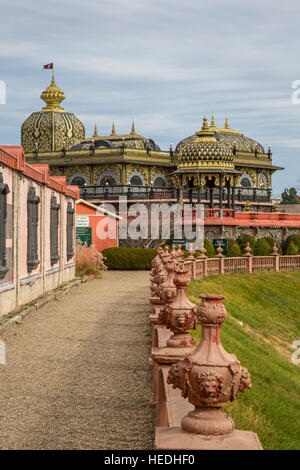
<point x="77" y="370"/>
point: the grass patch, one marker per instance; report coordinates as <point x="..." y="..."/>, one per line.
<point x="268" y="306"/>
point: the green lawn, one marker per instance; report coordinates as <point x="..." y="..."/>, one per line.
<point x="268" y="305"/>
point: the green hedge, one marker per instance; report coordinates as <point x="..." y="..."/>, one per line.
<point x="124" y="258"/>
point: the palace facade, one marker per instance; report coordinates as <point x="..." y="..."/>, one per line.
<point x="218" y="166"/>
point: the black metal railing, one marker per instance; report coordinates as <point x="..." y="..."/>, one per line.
<point x="130" y="191"/>
<point x="144" y="192"/>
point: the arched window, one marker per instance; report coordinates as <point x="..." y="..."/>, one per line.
<point x="107" y="180"/>
<point x="77" y="181"/>
<point x="135" y="180"/>
<point x="159" y="182"/>
<point x="245" y="182"/>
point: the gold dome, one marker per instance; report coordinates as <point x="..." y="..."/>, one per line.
<point x="51" y="129"/>
<point x="204" y="151"/>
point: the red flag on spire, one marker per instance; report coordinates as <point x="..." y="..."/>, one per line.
<point x="48" y="66"/>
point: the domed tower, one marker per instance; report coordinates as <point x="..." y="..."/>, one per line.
<point x="206" y="163"/>
<point x="52" y="129"/>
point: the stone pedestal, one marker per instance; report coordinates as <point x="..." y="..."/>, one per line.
<point x="209" y="377"/>
<point x="163" y="358"/>
<point x="177" y="439"/>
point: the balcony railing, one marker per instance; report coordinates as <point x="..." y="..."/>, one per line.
<point x="144" y="192"/>
<point x="130" y="191"/>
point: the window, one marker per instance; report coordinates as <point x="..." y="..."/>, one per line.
<point x="32" y="229"/>
<point x="136" y="181"/>
<point x="245" y="183"/>
<point x="159" y="182"/>
<point x="54" y="223"/>
<point x="107" y="181"/>
<point x="78" y="181"/>
<point x="4" y="190"/>
<point x="70" y="225"/>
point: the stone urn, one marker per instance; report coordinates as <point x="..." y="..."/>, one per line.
<point x="179" y="315"/>
<point x="247" y="250"/>
<point x="209" y="377"/>
<point x="168" y="288"/>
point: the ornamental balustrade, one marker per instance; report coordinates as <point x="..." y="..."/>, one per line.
<point x="203" y="267"/>
<point x="191" y="384"/>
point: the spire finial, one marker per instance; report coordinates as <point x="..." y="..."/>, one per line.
<point x="205" y="125"/>
<point x="53" y="96"/>
<point x="95" y="131"/>
<point x="132" y="128"/>
<point x="113" y="131"/>
<point x="212" y="124"/>
<point x="226" y="122"/>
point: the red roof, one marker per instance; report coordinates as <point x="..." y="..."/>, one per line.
<point x="13" y="157"/>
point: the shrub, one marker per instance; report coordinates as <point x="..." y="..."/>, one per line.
<point x="292" y="249"/>
<point x="233" y="249"/>
<point x="261" y="248"/>
<point x="295" y="238"/>
<point x="125" y="258"/>
<point x="271" y="241"/>
<point x="88" y="261"/>
<point x="242" y="240"/>
<point x="210" y="251"/>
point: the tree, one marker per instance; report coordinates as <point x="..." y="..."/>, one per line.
<point x="271" y="242"/>
<point x="234" y="251"/>
<point x="292" y="249"/>
<point x="261" y="248"/>
<point x="210" y="251"/>
<point x="233" y="248"/>
<point x="295" y="238"/>
<point x="243" y="240"/>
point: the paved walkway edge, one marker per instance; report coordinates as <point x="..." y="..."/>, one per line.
<point x="24" y="310"/>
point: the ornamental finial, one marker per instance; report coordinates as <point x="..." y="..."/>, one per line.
<point x="53" y="96"/>
<point x="205" y="125"/>
<point x="227" y="122"/>
<point x="95" y="131"/>
<point x="212" y="124"/>
<point x="132" y="128"/>
<point x="113" y="131"/>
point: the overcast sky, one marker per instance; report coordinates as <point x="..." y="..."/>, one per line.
<point x="163" y="63"/>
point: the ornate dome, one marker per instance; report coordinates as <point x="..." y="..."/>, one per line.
<point x="204" y="150"/>
<point x="235" y="140"/>
<point x="132" y="140"/>
<point x="51" y="129"/>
